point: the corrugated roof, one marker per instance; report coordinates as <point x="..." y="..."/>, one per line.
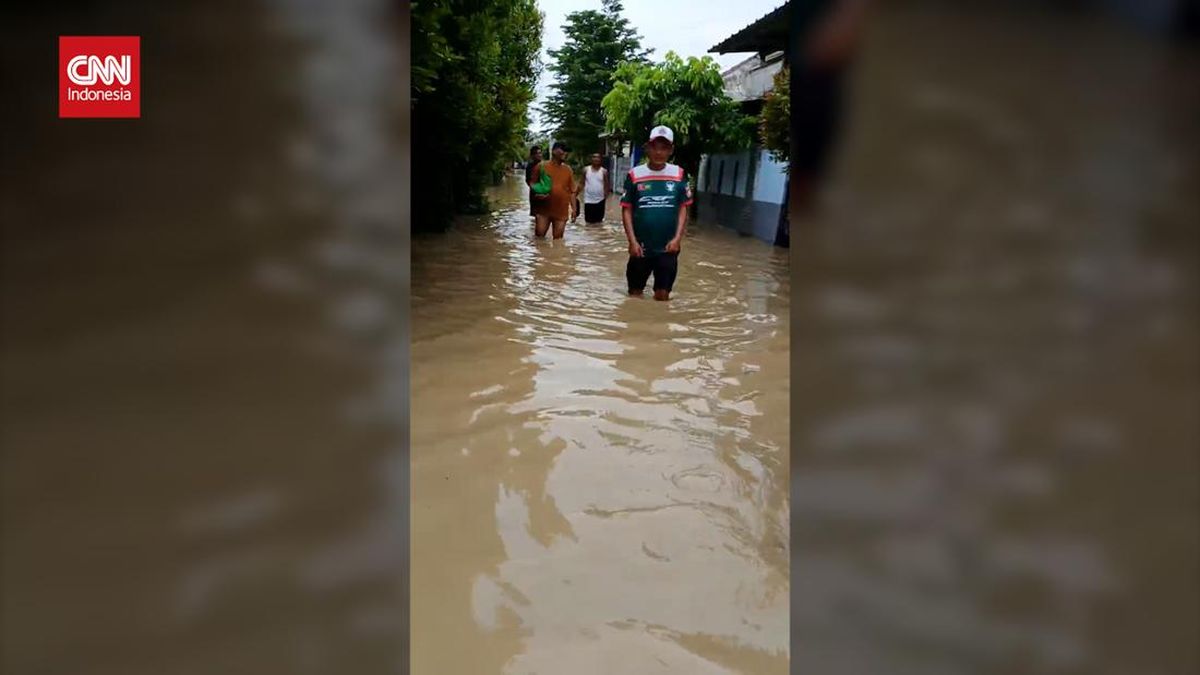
<point x="768" y="33"/>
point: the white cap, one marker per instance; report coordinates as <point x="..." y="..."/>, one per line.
<point x="662" y="132"/>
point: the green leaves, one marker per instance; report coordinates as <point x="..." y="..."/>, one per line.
<point x="598" y="42"/>
<point x="688" y="96"/>
<point x="775" y="123"/>
<point x="474" y="67"/>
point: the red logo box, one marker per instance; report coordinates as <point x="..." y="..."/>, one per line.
<point x="99" y="76"/>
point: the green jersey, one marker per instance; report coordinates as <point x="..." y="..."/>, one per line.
<point x="655" y="197"/>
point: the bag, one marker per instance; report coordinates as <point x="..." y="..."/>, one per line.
<point x="542" y="187"/>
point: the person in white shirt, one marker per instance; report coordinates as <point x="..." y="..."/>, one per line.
<point x="596" y="186"/>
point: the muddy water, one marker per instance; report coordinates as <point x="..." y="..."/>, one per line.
<point x="599" y="482"/>
<point x="203" y="378"/>
<point x="995" y="333"/>
<point x="200" y="467"/>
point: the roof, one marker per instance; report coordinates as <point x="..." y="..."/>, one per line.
<point x="769" y="33"/>
<point x="751" y="79"/>
<point x="751" y="63"/>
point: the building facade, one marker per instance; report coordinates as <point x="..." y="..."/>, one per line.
<point x="746" y="190"/>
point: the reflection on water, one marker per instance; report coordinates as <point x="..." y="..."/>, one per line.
<point x="995" y="406"/>
<point x="599" y="482"/>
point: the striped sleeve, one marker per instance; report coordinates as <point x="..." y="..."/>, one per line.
<point x="628" y="197"/>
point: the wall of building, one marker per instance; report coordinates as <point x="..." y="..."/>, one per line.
<point x="750" y="175"/>
<point x="770" y="179"/>
<point x="751" y="79"/>
<point x="743" y="191"/>
<point x="621" y="166"/>
<point x="745" y="216"/>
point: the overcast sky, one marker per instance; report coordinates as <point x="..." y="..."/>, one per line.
<point x="687" y="27"/>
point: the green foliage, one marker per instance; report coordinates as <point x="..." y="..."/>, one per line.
<point x="474" y="67"/>
<point x="597" y="43"/>
<point x="775" y="122"/>
<point x="539" y="139"/>
<point x="688" y="96"/>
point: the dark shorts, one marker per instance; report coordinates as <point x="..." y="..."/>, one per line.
<point x="593" y="213"/>
<point x="664" y="266"/>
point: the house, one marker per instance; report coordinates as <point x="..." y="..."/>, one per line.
<point x="749" y="81"/>
<point x="620" y="153"/>
<point x="747" y="189"/>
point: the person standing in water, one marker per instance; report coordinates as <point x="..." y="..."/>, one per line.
<point x="535" y="158"/>
<point x="654" y="212"/>
<point x="553" y="209"/>
<point x="596" y="187"/>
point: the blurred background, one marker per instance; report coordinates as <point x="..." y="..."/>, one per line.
<point x="994" y="344"/>
<point x="204" y="351"/>
<point x="204" y="388"/>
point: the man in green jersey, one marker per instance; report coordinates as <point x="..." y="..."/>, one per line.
<point x="654" y="211"/>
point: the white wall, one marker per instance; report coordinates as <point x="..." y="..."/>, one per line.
<point x="751" y="79"/>
<point x="714" y="174"/>
<point x="619" y="170"/>
<point x="771" y="180"/>
<point x="770" y="177"/>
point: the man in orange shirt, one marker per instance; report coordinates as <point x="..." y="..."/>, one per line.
<point x="553" y="210"/>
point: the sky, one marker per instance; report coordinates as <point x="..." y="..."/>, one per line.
<point x="687" y="27"/>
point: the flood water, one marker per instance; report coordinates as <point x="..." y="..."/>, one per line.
<point x="204" y="389"/>
<point x="599" y="481"/>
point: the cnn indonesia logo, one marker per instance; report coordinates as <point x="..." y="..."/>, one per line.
<point x="99" y="76"/>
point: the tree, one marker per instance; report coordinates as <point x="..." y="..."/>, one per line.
<point x="474" y="67"/>
<point x="538" y="138"/>
<point x="776" y="119"/>
<point x="597" y="43"/>
<point x="688" y="96"/>
<point x="774" y="129"/>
